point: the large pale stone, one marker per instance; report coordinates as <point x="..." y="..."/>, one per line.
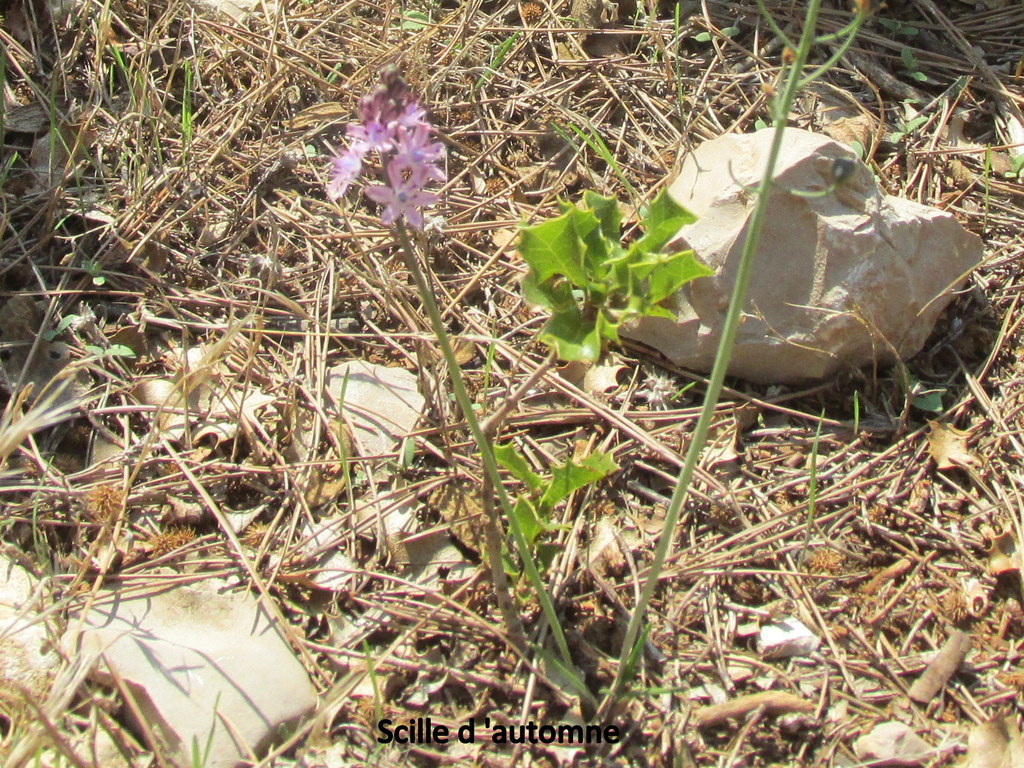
<point x="845" y="277"/>
<point x="382" y="404"/>
<point x="209" y="671"/>
<point x="28" y="662"/>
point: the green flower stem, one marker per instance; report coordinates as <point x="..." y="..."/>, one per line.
<point x="490" y="467"/>
<point x="630" y="648"/>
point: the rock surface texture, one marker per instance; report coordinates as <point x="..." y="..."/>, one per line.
<point x="27" y="660"/>
<point x="208" y="671"/>
<point x="845" y="275"/>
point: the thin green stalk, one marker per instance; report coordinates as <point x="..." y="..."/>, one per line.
<point x="812" y="496"/>
<point x="487" y="455"/>
<point x="729" y="329"/>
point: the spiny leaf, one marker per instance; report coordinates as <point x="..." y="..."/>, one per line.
<point x="554" y="247"/>
<point x="675" y="271"/>
<point x="573" y="337"/>
<point x="664" y="220"/>
<point x="573" y="475"/>
<point x="509" y="458"/>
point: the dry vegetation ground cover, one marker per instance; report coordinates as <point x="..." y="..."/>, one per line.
<point x="163" y="191"/>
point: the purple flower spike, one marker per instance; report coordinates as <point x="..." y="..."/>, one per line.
<point x="393" y="124"/>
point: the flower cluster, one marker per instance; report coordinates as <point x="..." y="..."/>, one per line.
<point x="393" y="124"/>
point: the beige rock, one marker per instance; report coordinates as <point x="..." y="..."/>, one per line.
<point x="845" y="276"/>
<point x="27" y="659"/>
<point x="237" y="10"/>
<point x="381" y="404"/>
<point x="893" y="743"/>
<point x="205" y="668"/>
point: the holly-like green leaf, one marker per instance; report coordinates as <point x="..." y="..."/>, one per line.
<point x="554" y="247"/>
<point x="529" y="522"/>
<point x="608" y="328"/>
<point x="591" y="284"/>
<point x="508" y="457"/>
<point x="596" y="247"/>
<point x="573" y="336"/>
<point x="555" y="295"/>
<point x="664" y="220"/>
<point x="606" y="209"/>
<point x="675" y="271"/>
<point x="572" y="475"/>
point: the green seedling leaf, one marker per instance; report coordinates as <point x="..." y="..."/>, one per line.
<point x="414" y="21"/>
<point x="929" y="401"/>
<point x="529" y="522"/>
<point x="570" y="476"/>
<point x="120" y="350"/>
<point x="702" y="37"/>
<point x="908" y="59"/>
<point x="912" y="65"/>
<point x="915" y="123"/>
<point x="899" y="27"/>
<point x="729" y="31"/>
<point x="509" y="458"/>
<point x="61" y="327"/>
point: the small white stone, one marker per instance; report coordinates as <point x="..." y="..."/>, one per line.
<point x="785" y="638"/>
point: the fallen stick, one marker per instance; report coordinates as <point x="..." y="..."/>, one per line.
<point x="774" y="703"/>
<point x="943" y="666"/>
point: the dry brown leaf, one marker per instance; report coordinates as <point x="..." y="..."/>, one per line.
<point x="381" y="405"/>
<point x="948" y="447"/>
<point x="48" y="158"/>
<point x="723" y="441"/>
<point x="460" y="506"/>
<point x="600" y="379"/>
<point x="205" y="411"/>
<point x="321" y="116"/>
<point x="941" y="669"/>
<point x="604" y="552"/>
<point x="330" y="567"/>
<point x="464" y="349"/>
<point x="574" y="372"/>
<point x="995" y="744"/>
<point x="1003" y="555"/>
<point x="503" y="237"/>
<point x="27" y="118"/>
<point x="21" y="322"/>
<point x="849" y="130"/>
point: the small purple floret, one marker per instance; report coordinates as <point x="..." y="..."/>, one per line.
<point x="403" y="196"/>
<point x="393" y="124"/>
